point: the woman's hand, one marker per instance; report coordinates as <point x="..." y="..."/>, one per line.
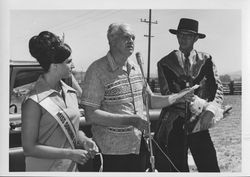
<point x="80" y="156"/>
<point x="87" y="144"/>
<point x="90" y="146"/>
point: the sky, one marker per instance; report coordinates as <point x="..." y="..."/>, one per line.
<point x="85" y="31"/>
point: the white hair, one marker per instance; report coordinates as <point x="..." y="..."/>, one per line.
<point x="115" y="29"/>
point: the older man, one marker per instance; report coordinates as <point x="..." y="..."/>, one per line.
<point x="184" y="126"/>
<point x="113" y="100"/>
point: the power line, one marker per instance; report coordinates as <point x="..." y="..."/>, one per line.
<point x="149" y="40"/>
<point x="92" y="19"/>
<point x="70" y="21"/>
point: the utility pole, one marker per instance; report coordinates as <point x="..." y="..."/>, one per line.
<point x="149" y="41"/>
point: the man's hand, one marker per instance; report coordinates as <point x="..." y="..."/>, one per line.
<point x="206" y="120"/>
<point x="198" y="105"/>
<point x="141" y="124"/>
<point x="185" y="95"/>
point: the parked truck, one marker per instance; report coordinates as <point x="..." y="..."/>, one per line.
<point x="23" y="75"/>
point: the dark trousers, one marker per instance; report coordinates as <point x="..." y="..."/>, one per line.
<point x="127" y="163"/>
<point x="200" y="145"/>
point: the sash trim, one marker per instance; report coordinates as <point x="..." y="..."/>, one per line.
<point x="61" y="117"/>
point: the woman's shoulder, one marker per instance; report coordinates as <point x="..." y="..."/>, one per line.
<point x="31" y="106"/>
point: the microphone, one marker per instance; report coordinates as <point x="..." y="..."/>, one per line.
<point x="139" y="61"/>
<point x="152" y="158"/>
<point x="138" y="58"/>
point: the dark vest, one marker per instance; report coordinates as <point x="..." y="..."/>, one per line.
<point x="174" y="80"/>
<point x="202" y="72"/>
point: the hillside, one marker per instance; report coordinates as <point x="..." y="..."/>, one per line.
<point x="235" y="75"/>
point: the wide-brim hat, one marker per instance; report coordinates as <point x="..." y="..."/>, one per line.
<point x="188" y="25"/>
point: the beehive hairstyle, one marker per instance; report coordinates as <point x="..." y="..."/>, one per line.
<point x="48" y="48"/>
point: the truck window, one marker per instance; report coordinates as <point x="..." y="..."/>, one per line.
<point x="18" y="95"/>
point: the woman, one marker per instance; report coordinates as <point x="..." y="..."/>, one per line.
<point x="50" y="114"/>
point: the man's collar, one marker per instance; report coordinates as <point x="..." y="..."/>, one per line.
<point x="114" y="66"/>
<point x="112" y="62"/>
<point x="191" y="56"/>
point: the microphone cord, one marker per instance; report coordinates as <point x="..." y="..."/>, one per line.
<point x="168" y="158"/>
<point x="101" y="161"/>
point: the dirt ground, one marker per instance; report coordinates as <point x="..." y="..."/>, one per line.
<point x="226" y="136"/>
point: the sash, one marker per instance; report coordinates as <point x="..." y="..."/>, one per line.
<point x="61" y="117"/>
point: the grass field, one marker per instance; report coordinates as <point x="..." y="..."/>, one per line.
<point x="226" y="136"/>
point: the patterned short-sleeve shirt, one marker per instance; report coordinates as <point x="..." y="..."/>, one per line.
<point x="116" y="90"/>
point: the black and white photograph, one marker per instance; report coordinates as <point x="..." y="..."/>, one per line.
<point x="110" y="88"/>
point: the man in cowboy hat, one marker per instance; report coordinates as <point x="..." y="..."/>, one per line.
<point x="185" y="126"/>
